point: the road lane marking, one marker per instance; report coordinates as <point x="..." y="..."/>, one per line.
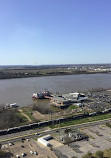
<point x="21" y="136"/>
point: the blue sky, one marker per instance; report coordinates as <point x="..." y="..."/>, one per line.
<point x="37" y="32"/>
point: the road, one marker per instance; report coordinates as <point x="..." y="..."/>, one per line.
<point x="43" y="131"/>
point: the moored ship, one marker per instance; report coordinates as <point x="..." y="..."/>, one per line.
<point x="42" y="95"/>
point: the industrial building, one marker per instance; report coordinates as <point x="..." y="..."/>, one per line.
<point x="65" y="100"/>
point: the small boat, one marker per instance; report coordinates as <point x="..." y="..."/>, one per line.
<point x="13" y="105"/>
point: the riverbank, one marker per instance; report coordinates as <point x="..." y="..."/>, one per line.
<point x="28" y="75"/>
<point x="26" y="72"/>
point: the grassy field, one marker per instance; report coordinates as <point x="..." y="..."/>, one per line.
<point x="84" y="120"/>
<point x="29" y="112"/>
<point x="73" y="107"/>
<point x="21" y="117"/>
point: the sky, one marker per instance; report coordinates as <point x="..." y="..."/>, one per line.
<point x="41" y="32"/>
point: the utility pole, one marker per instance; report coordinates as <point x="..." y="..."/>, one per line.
<point x="50" y="115"/>
<point x="59" y="130"/>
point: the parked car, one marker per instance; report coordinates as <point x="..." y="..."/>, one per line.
<point x="35" y="152"/>
<point x="10" y="143"/>
<point x="23" y="154"/>
<point x="31" y="152"/>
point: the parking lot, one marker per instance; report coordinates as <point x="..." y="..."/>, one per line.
<point x="32" y="149"/>
<point x="99" y="139"/>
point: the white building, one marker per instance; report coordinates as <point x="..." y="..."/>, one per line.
<point x="44" y="140"/>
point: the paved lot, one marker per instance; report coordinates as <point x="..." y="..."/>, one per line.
<point x="55" y="143"/>
<point x="99" y="140"/>
<point x="67" y="151"/>
<point x="25" y="147"/>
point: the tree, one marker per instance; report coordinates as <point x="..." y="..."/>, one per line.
<point x="67" y="130"/>
<point x="67" y="140"/>
<point x="85" y="156"/>
<point x="100" y="154"/>
<point x="4" y="154"/>
<point x="88" y="155"/>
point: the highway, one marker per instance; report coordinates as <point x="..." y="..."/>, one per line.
<point x="43" y="131"/>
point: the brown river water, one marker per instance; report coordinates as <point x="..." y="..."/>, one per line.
<point x="20" y="90"/>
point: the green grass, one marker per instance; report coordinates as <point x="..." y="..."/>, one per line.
<point x="84" y="120"/>
<point x="28" y="113"/>
<point x="22" y="118"/>
<point x="73" y="107"/>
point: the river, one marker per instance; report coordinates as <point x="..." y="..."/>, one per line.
<point x="20" y="90"/>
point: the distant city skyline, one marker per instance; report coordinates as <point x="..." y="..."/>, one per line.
<point x="54" y="32"/>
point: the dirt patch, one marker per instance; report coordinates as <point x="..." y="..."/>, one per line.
<point x="40" y="116"/>
<point x="44" y="117"/>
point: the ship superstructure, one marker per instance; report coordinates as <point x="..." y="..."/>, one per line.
<point x="41" y="95"/>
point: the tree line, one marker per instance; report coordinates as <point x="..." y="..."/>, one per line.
<point x="10" y="118"/>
